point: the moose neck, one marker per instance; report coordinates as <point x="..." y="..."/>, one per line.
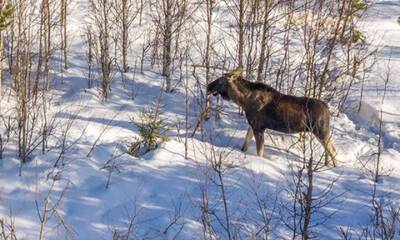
<point x="239" y="91"/>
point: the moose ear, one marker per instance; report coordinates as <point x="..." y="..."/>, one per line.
<point x="236" y="73"/>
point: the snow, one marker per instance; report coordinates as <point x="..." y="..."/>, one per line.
<point x="154" y="189"/>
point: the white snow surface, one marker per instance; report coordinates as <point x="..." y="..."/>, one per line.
<point x="162" y="184"/>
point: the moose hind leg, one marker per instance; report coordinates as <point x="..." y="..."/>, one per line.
<point x="249" y="136"/>
<point x="302" y="136"/>
<point x="259" y="136"/>
<point x="330" y="151"/>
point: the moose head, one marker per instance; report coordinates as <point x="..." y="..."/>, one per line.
<point x="221" y="85"/>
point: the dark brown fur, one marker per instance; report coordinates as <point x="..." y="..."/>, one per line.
<point x="266" y="108"/>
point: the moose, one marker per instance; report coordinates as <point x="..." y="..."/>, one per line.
<point x="267" y="108"/>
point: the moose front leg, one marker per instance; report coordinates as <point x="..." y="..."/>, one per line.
<point x="249" y="136"/>
<point x="259" y="135"/>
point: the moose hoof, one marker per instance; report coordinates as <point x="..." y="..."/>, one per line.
<point x="244" y="148"/>
<point x="334" y="163"/>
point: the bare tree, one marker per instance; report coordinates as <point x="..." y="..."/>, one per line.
<point x="125" y="12"/>
<point x="47" y="31"/>
<point x="89" y="53"/>
<point x="385" y="212"/>
<point x="241" y="31"/>
<point x="169" y="18"/>
<point x="63" y="25"/>
<point x="8" y="228"/>
<point x="215" y="208"/>
<point x="49" y="208"/>
<point x="101" y="13"/>
<point x="207" y="57"/>
<point x="306" y="199"/>
<point x="26" y="118"/>
<point x="6" y="11"/>
<point x="28" y="49"/>
<point x="268" y="6"/>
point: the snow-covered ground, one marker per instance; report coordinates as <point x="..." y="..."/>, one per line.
<point x="160" y="193"/>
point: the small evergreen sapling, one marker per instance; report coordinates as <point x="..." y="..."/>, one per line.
<point x="152" y="130"/>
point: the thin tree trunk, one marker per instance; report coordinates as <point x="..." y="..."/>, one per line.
<point x="47" y="42"/>
<point x="254" y="16"/>
<point x="105" y="55"/>
<point x="241" y="33"/>
<point x="167" y="42"/>
<point x="63" y="20"/>
<point x="331" y="47"/>
<point x="209" y="4"/>
<point x="125" y="35"/>
<point x="265" y="30"/>
<point x="308" y="200"/>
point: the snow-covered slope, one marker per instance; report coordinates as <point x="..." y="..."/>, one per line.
<point x="161" y="194"/>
